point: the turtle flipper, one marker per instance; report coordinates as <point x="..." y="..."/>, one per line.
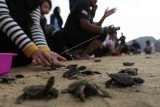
<point x="80" y="92"/>
<point x="21" y="98"/>
<point x="50" y="83"/>
<point x="54" y="93"/>
<point x="65" y="91"/>
<point x="103" y="93"/>
<point x="108" y="83"/>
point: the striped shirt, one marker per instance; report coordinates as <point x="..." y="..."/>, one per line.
<point x="14" y="32"/>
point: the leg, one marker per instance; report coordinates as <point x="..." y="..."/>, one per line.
<point x="92" y="46"/>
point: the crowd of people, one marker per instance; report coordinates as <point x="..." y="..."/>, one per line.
<point x="24" y="30"/>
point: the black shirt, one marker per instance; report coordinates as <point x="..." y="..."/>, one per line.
<point x="72" y="3"/>
<point x="122" y="39"/>
<point x="80" y="10"/>
<point x="20" y="11"/>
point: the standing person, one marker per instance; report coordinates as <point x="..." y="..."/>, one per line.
<point x="21" y="33"/>
<point x="56" y="19"/>
<point x="123" y="47"/>
<point x="78" y="28"/>
<point x="122" y="40"/>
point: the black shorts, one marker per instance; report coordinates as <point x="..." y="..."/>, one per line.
<point x="78" y="37"/>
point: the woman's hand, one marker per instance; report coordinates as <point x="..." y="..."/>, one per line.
<point x="109" y="12"/>
<point x="55" y="57"/>
<point x="45" y="58"/>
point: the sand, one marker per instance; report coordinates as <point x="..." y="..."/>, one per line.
<point x="145" y="95"/>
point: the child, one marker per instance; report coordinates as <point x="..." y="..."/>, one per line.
<point x="21" y="33"/>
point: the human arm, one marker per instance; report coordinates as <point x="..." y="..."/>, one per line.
<point x="14" y="32"/>
<point x="106" y="14"/>
<point x="37" y="32"/>
<point x="43" y="56"/>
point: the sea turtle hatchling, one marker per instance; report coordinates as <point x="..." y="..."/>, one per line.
<point x="71" y="66"/>
<point x="130" y="71"/>
<point x="84" y="89"/>
<point x="39" y="92"/>
<point x="54" y="66"/>
<point x="123" y="79"/>
<point x="71" y="73"/>
<point x="7" y="78"/>
<point x="128" y="63"/>
<point x="89" y="72"/>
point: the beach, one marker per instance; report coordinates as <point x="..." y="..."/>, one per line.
<point x="144" y="95"/>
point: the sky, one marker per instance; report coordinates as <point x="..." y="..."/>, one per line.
<point x="135" y="17"/>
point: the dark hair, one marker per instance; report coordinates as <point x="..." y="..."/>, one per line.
<point x="43" y="1"/>
<point x="56" y="11"/>
<point x="148" y="42"/>
<point x="56" y="14"/>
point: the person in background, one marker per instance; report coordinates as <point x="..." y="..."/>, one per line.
<point x="78" y="28"/>
<point x="56" y="19"/>
<point x="122" y="40"/>
<point x="57" y="35"/>
<point x="122" y="46"/>
<point x="21" y="33"/>
<point x="148" y="48"/>
<point x="45" y="7"/>
<point x="153" y="47"/>
<point x="135" y="47"/>
<point x="108" y="47"/>
<point x="52" y="33"/>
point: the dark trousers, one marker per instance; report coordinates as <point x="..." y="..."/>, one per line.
<point x="7" y="46"/>
<point x="78" y="37"/>
<point x="56" y="42"/>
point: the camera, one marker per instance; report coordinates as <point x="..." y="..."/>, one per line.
<point x="112" y="29"/>
<point x="117" y="28"/>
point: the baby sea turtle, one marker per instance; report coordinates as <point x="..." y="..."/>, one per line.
<point x="19" y="76"/>
<point x="123" y="79"/>
<point x="71" y="66"/>
<point x="71" y="73"/>
<point x="130" y="71"/>
<point x="97" y="60"/>
<point x="128" y="63"/>
<point x="7" y="78"/>
<point x="74" y="72"/>
<point x="148" y="57"/>
<point x="89" y="72"/>
<point x="54" y="66"/>
<point x="84" y="89"/>
<point x="39" y="92"/>
<point x="81" y="68"/>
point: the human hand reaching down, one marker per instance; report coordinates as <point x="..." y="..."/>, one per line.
<point x="46" y="58"/>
